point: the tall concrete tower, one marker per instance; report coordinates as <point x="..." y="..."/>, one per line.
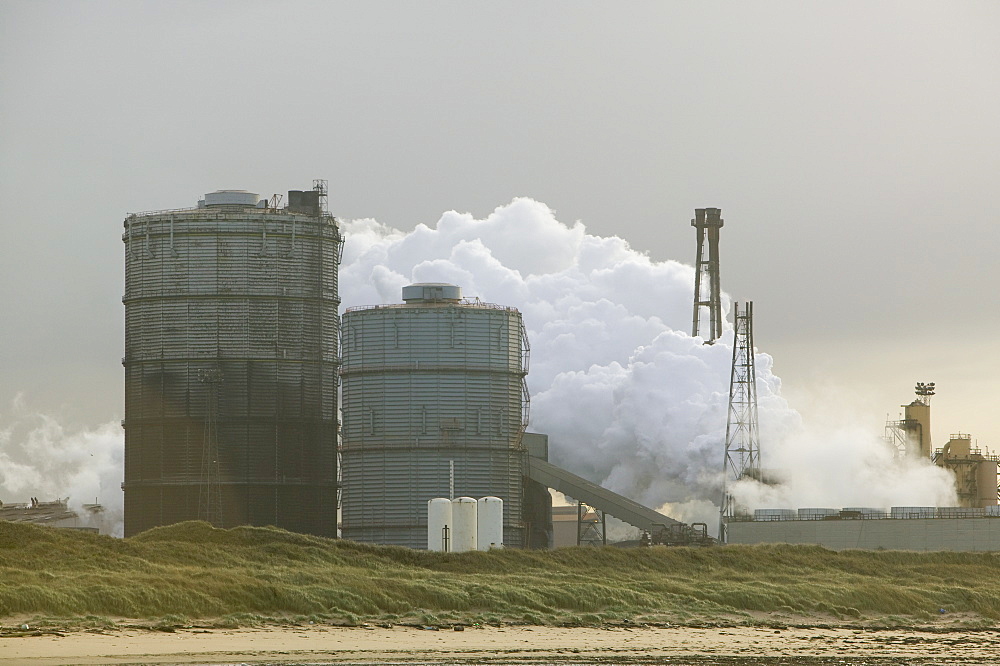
<point x="231" y="332"/>
<point x="707" y="223"/>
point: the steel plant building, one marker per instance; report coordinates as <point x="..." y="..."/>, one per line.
<point x="231" y="332"/>
<point x="434" y="405"/>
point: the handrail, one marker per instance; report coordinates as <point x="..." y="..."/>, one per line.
<point x="224" y="210"/>
<point x="463" y="303"/>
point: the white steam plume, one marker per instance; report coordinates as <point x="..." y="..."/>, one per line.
<point x="41" y="458"/>
<point x="628" y="398"/>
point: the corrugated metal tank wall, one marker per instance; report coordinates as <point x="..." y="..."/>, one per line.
<point x="425" y="384"/>
<point x="245" y="298"/>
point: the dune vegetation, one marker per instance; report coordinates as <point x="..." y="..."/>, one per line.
<point x="246" y="575"/>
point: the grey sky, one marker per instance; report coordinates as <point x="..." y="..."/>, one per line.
<point x="854" y="148"/>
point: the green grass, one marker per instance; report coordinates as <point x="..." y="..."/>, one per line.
<point x="251" y="575"/>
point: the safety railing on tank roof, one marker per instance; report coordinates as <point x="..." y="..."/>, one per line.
<point x="464" y="303"/>
<point x="224" y="210"/>
<point x="166" y="211"/>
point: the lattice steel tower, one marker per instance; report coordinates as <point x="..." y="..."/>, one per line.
<point x="707" y="222"/>
<point x="742" y="441"/>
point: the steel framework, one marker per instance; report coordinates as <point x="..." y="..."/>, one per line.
<point x="591" y="526"/>
<point x="742" y="442"/>
<point x="707" y="222"/>
<point x="906" y="435"/>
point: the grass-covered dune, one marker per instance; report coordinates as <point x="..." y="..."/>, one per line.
<point x="193" y="571"/>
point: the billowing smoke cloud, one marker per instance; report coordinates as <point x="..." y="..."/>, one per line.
<point x="41" y="458"/>
<point x="847" y="465"/>
<point x="627" y="397"/>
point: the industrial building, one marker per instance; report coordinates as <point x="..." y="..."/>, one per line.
<point x="974" y="525"/>
<point x="900" y="528"/>
<point x="974" y="469"/>
<point x="578" y="525"/>
<point x="232" y="370"/>
<point x="435" y="406"/>
<point x="231" y="332"/>
<point x="55" y="513"/>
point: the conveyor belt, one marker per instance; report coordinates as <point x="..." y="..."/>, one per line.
<point x="600" y="498"/>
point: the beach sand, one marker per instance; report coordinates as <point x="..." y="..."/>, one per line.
<point x="505" y="645"/>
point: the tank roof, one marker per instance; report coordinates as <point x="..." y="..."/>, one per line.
<point x="432" y="292"/>
<point x="230" y="198"/>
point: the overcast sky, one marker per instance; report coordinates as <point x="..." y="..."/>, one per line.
<point x="854" y="148"/>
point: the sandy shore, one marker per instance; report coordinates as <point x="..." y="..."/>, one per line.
<point x="508" y="645"/>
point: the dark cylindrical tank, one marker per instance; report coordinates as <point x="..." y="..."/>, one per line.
<point x="433" y="402"/>
<point x="231" y="333"/>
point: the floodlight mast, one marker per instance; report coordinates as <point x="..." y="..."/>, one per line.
<point x="924" y="392"/>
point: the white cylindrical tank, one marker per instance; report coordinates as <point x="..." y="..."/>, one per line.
<point x="231" y="198"/>
<point x="867" y="511"/>
<point x="960" y="512"/>
<point x="489" y="530"/>
<point x="463" y="524"/>
<point x="902" y="512"/>
<point x="775" y="514"/>
<point x="817" y="513"/>
<point x="439" y="520"/>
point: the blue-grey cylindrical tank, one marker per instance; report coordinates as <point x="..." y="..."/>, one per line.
<point x="434" y="401"/>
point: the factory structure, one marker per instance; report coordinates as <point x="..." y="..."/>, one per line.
<point x="238" y="370"/>
<point x="434" y="405"/>
<point x="973" y="525"/>
<point x="234" y="363"/>
<point x="970" y="526"/>
<point x="55" y="513"/>
<point x="231" y="330"/>
<point x="974" y="469"/>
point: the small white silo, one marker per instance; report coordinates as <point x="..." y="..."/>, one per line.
<point x="867" y="511"/>
<point x="904" y="512"/>
<point x="774" y="514"/>
<point x="439" y="520"/>
<point x="817" y="513"/>
<point x="463" y="524"/>
<point x="489" y="530"/>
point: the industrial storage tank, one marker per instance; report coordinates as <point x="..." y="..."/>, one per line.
<point x="489" y="525"/>
<point x="464" y="524"/>
<point x="231" y="333"/>
<point x="817" y="513"/>
<point x="907" y="512"/>
<point x="434" y="405"/>
<point x="775" y="514"/>
<point x="866" y="512"/>
<point x="439" y="524"/>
